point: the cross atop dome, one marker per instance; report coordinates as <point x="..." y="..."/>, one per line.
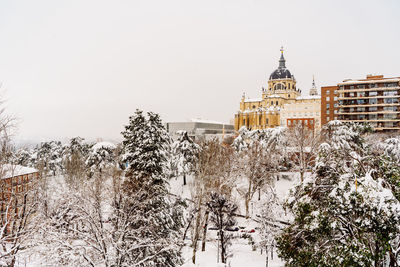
<point x="282" y="49"/>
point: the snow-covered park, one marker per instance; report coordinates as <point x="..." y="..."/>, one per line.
<point x="274" y="197"/>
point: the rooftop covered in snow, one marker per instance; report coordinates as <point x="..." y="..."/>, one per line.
<point x="9" y="170"/>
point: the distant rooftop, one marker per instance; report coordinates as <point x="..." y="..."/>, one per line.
<point x="370" y="79"/>
<point x="8" y="171"/>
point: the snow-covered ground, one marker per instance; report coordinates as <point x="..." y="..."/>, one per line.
<point x="242" y="253"/>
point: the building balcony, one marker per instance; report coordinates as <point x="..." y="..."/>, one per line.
<point x="369" y="89"/>
<point x="367" y="105"/>
<point x="367" y="112"/>
<point x="371" y="120"/>
<point x="368" y="97"/>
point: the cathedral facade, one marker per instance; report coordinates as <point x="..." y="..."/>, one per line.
<point x="281" y="97"/>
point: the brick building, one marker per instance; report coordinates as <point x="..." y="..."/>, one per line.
<point x="15" y="182"/>
<point x="329" y="103"/>
<point x="375" y="100"/>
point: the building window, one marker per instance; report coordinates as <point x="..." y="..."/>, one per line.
<point x="373" y="93"/>
<point x="272" y="103"/>
<point x="327" y="92"/>
<point x="327" y="106"/>
<point x="254" y="106"/>
<point x="276" y="102"/>
<point x="389" y="93"/>
<point x="266" y="121"/>
<point x="328" y="98"/>
<point x="327" y="118"/>
<point x="327" y="112"/>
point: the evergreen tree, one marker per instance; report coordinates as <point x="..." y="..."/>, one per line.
<point x="347" y="213"/>
<point x="185" y="152"/>
<point x="74" y="157"/>
<point x="101" y="156"/>
<point x="154" y="221"/>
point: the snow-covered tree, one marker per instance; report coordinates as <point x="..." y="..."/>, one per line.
<point x="185" y="153"/>
<point x="74" y="157"/>
<point x="257" y="160"/>
<point x="271" y="213"/>
<point x="222" y="212"/>
<point x="303" y="143"/>
<point x="47" y="156"/>
<point x="101" y="155"/>
<point x="257" y="166"/>
<point x="242" y="140"/>
<point x="23" y="157"/>
<point x="214" y="173"/>
<point x="346" y="213"/>
<point x="153" y="217"/>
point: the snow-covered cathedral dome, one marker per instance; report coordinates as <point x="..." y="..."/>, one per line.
<point x="281" y="72"/>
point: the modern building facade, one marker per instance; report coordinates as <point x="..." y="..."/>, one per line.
<point x="374" y="100"/>
<point x="199" y="129"/>
<point x="280" y="103"/>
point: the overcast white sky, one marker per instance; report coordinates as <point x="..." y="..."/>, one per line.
<point x="82" y="67"/>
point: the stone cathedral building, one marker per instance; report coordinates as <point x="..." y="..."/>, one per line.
<point x="281" y="103"/>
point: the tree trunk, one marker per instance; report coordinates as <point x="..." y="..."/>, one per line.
<point x="187" y="228"/>
<point x="246" y="204"/>
<point x="203" y="243"/>
<point x="196" y="232"/>
<point x="221" y="236"/>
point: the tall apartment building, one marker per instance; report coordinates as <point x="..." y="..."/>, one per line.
<point x="374" y="100"/>
<point x="329" y="103"/>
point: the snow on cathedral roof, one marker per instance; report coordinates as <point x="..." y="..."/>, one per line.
<point x="252" y="100"/>
<point x="308" y="97"/>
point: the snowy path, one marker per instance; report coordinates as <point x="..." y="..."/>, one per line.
<point x="242" y="256"/>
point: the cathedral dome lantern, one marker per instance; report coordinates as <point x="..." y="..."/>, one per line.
<point x="281" y="72"/>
